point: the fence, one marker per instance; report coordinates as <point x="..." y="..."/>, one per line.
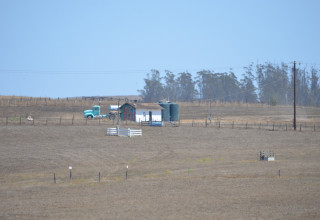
<point x="271" y="126"/>
<point x="8" y="121"/>
<point x="123" y="132"/>
<point x="62" y="177"/>
<point x="60" y="121"/>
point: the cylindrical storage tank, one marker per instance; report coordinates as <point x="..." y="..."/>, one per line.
<point x="174" y="112"/>
<point x="165" y="112"/>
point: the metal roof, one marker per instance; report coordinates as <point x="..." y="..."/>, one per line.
<point x="151" y="106"/>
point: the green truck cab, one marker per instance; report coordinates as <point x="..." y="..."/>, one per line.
<point x="95" y="113"/>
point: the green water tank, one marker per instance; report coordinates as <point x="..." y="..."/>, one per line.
<point x="174" y="112"/>
<point x="165" y="112"/>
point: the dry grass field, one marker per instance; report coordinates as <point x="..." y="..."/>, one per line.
<point x="174" y="172"/>
<point x="15" y="110"/>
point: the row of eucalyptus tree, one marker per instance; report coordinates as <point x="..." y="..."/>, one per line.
<point x="265" y="83"/>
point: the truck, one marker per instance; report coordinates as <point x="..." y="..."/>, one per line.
<point x="95" y="113"/>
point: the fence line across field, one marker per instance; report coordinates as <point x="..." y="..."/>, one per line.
<point x="127" y="174"/>
<point x="19" y="120"/>
<point x="57" y="121"/>
<point x="253" y="125"/>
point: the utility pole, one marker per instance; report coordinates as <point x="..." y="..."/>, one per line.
<point x="294" y="97"/>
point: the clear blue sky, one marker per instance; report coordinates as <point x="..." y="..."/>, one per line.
<point x="66" y="48"/>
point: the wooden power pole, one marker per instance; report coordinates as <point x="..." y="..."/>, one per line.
<point x="294" y="97"/>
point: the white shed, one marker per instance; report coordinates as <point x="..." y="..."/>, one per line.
<point x="148" y="112"/>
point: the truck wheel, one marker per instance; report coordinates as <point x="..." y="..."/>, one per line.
<point x="89" y="117"/>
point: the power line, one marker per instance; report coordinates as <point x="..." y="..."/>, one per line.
<point x="70" y="72"/>
<point x="216" y="69"/>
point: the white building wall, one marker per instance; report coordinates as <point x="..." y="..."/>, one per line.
<point x="143" y="115"/>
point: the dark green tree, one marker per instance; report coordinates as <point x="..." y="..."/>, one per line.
<point x="247" y="86"/>
<point x="186" y="87"/>
<point x="314" y="88"/>
<point x="273" y="86"/>
<point x="272" y="83"/>
<point x="153" y="89"/>
<point x="302" y="89"/>
<point x="171" y="86"/>
<point x="231" y="88"/>
<point x="218" y="86"/>
<point x="204" y="83"/>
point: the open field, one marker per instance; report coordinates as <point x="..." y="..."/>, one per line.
<point x="224" y="112"/>
<point x="174" y="172"/>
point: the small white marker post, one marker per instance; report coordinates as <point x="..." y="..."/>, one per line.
<point x="127" y="172"/>
<point x="70" y="168"/>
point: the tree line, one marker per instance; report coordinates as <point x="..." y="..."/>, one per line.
<point x="264" y="83"/>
